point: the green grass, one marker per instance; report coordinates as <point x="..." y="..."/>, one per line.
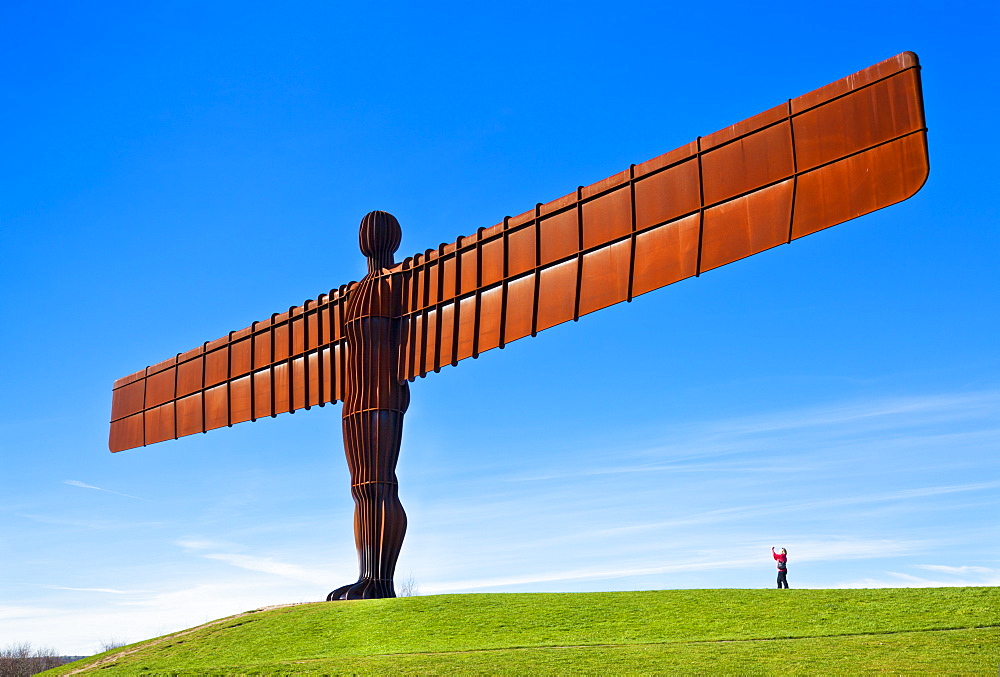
<point x="939" y="630"/>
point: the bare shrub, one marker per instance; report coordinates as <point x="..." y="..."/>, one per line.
<point x="407" y="588"/>
<point x="21" y="660"/>
<point x="113" y="643"/>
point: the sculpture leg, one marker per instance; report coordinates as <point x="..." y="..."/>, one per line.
<point x="372" y="440"/>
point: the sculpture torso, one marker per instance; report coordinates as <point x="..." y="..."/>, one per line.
<point x="372" y="327"/>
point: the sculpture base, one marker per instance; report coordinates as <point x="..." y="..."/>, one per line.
<point x="366" y="588"/>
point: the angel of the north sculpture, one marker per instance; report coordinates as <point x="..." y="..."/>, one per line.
<point x="841" y="151"/>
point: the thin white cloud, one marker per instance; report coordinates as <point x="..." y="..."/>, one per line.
<point x="893" y="422"/>
<point x="196" y="544"/>
<point x="87" y="524"/>
<point x="9" y="612"/>
<point x="957" y="570"/>
<point x="877" y="414"/>
<point x="77" y="483"/>
<point x="953" y="576"/>
<point x="892" y="496"/>
<point x="714" y="467"/>
<point x="265" y="565"/>
<point x="111" y="591"/>
<point x="270" y="566"/>
<point x="894" y="579"/>
<point x="742" y="512"/>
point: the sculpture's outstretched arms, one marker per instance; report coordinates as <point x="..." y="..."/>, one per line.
<point x="839" y="152"/>
<point x="292" y="360"/>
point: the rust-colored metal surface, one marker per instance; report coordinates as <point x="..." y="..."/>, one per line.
<point x="839" y="152"/>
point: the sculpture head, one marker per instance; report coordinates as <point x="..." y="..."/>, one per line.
<point x="379" y="238"/>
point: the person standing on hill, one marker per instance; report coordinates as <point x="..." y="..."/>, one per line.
<point x="781" y="558"/>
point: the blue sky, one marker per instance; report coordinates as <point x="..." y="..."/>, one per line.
<point x="172" y="172"/>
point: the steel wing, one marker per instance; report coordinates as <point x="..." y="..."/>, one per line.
<point x="839" y="152"/>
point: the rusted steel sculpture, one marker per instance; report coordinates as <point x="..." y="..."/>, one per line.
<point x="839" y="152"/>
<point x="373" y="412"/>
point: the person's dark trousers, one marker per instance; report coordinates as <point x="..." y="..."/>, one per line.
<point x="782" y="582"/>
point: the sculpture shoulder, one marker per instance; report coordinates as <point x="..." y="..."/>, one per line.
<point x="376" y="295"/>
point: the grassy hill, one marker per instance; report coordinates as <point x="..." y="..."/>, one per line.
<point x="940" y="630"/>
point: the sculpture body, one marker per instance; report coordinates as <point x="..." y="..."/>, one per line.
<point x="844" y="150"/>
<point x="373" y="413"/>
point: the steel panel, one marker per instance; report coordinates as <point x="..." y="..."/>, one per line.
<point x="745" y="127"/>
<point x="280" y="389"/>
<point x="240" y="402"/>
<point x="449" y="280"/>
<point x="189" y="376"/>
<point x="429" y="346"/>
<point x="666" y="195"/>
<point x="190" y="417"/>
<point x="520" y="251"/>
<point x="607" y="217"/>
<point x="314" y="382"/>
<point x="217" y="366"/>
<point x="129" y="399"/>
<point x="240" y="353"/>
<point x="560" y="237"/>
<point x="468" y="308"/>
<point x="605" y="277"/>
<point x="901" y="62"/>
<point x="127" y="433"/>
<point x="159" y="423"/>
<point x="748" y="163"/>
<point x="746" y="225"/>
<point x="298" y="384"/>
<point x="519" y="308"/>
<point x="217" y="407"/>
<point x="492" y="265"/>
<point x="446" y="333"/>
<point x="469" y="265"/>
<point x="266" y="349"/>
<point x="556" y="295"/>
<point x="490" y="313"/>
<point x="160" y="387"/>
<point x="666" y="254"/>
<point x="262" y="393"/>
